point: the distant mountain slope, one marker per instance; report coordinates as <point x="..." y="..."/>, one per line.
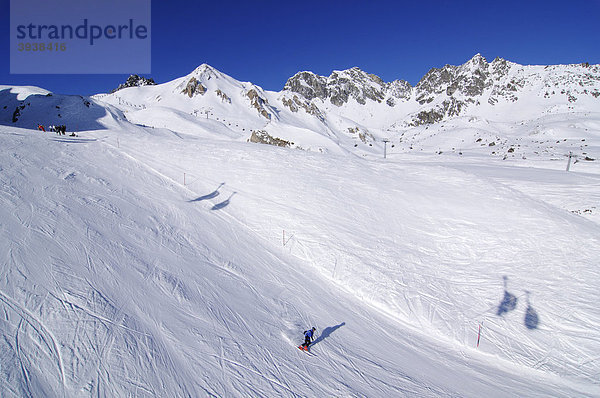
<point x="28" y="107"/>
<point x="354" y="110"/>
<point x="348" y="111"/>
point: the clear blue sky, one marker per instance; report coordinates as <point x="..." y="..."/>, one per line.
<point x="266" y="42"/>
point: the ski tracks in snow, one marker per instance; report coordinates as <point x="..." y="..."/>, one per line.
<point x="212" y="299"/>
<point x="44" y="334"/>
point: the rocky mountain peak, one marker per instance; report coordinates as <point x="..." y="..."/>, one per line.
<point x="452" y="89"/>
<point x="398" y="90"/>
<point x="343" y="85"/>
<point x="478" y="62"/>
<point x="204" y="68"/>
<point x="135" y="81"/>
<point x="195" y="83"/>
<point x="357" y="75"/>
<point x="205" y="72"/>
<point x="467" y="80"/>
<point x="307" y="84"/>
<point x="435" y="82"/>
<point x="356" y="84"/>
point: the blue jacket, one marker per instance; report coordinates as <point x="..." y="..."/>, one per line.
<point x="308" y="333"/>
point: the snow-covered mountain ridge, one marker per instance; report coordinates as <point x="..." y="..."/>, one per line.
<point x="353" y="110"/>
<point x="448" y="91"/>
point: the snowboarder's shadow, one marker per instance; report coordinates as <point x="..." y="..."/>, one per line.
<point x="326" y="332"/>
<point x="211" y="195"/>
<point x="509" y="301"/>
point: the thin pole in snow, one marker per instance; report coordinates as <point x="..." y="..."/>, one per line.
<point x="385" y="141"/>
<point x="184" y="179"/>
<point x="479" y="334"/>
<point x="569" y="162"/>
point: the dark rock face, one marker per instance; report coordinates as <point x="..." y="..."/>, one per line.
<point x="308" y="85"/>
<point x="353" y="83"/>
<point x="295" y="104"/>
<point x="469" y="80"/>
<point x="17" y="113"/>
<point x="224" y="97"/>
<point x="356" y="84"/>
<point x="448" y="108"/>
<point x="262" y="137"/>
<point x="194" y="87"/>
<point x="458" y="85"/>
<point x="399" y="90"/>
<point x="434" y="83"/>
<point x="135" y="81"/>
<point x="258" y="102"/>
<point x="363" y="135"/>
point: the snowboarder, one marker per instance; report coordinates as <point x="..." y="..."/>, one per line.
<point x="308" y="336"/>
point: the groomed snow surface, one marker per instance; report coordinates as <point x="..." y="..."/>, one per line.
<point x="119" y="280"/>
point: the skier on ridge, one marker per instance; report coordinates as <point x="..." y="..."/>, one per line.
<point x="308" y="336"/>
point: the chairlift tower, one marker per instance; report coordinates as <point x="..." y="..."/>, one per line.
<point x="570" y="155"/>
<point x="385" y="141"/>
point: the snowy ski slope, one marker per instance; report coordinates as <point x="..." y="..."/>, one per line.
<point x="118" y="280"/>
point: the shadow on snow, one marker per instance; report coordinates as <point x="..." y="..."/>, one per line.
<point x="531" y="316"/>
<point x="224" y="203"/>
<point x="211" y="195"/>
<point x="326" y="332"/>
<point x="509" y="303"/>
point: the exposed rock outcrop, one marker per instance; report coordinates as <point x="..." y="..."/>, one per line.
<point x="262" y="137"/>
<point x="194" y="87"/>
<point x="308" y="85"/>
<point x="341" y="86"/>
<point x="258" y="102"/>
<point x="295" y="103"/>
<point x="223" y="96"/>
<point x="363" y="135"/>
<point x="17" y="112"/>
